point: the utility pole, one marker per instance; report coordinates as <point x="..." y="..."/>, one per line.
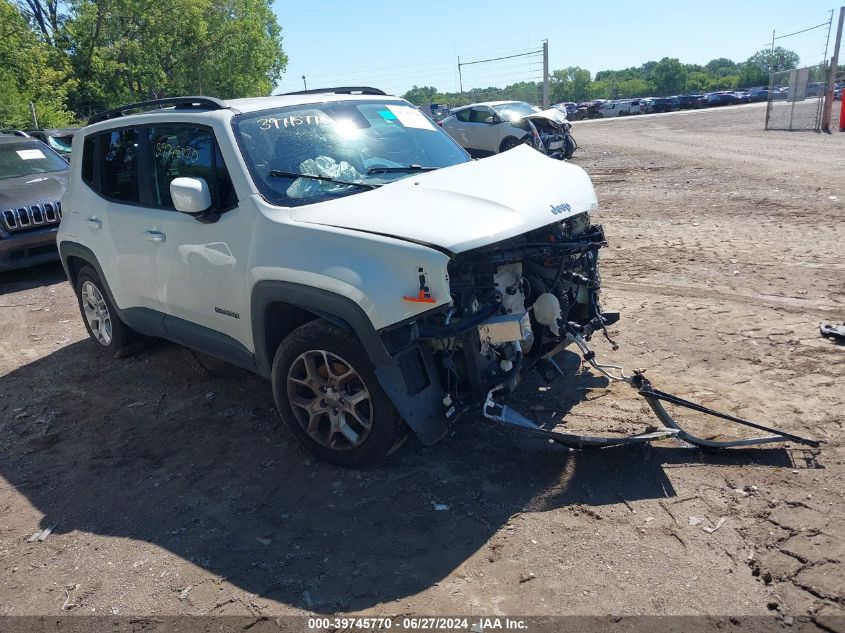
<point x="545" y="74"/>
<point x="34" y="118"/>
<point x="771" y="82"/>
<point x="831" y="80"/>
<point x="460" y="80"/>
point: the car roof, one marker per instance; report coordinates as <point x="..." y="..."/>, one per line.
<point x="7" y="139"/>
<point x="123" y="115"/>
<point x="255" y="104"/>
<point x="56" y="130"/>
<point x="488" y="103"/>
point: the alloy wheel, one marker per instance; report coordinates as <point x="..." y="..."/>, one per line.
<point x="96" y="313"/>
<point x="329" y="399"/>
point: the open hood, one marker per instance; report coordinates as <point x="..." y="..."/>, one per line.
<point x="465" y="206"/>
<point x="552" y="114"/>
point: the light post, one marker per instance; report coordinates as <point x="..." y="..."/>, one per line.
<point x="304" y="83"/>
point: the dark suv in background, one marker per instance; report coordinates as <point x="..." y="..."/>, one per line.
<point x="33" y="179"/>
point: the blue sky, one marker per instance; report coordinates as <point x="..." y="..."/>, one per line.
<point x="394" y="45"/>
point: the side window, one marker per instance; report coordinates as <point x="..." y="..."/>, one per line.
<point x="463" y="115"/>
<point x="479" y="114"/>
<point x="188" y="151"/>
<point x="119" y="167"/>
<point x="88" y="160"/>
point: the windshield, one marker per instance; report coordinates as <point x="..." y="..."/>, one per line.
<point x="61" y="144"/>
<point x="514" y="111"/>
<point x="337" y="145"/>
<point x="28" y="158"/>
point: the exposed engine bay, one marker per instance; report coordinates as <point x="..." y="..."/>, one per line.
<point x="509" y="300"/>
<point x="549" y="134"/>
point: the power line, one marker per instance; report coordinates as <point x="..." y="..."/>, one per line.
<point x="818" y="26"/>
<point x="496" y="59"/>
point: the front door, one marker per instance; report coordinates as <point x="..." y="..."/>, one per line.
<point x="201" y="265"/>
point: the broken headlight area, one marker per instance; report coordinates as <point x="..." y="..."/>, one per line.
<point x="550" y="137"/>
<point x="512" y="303"/>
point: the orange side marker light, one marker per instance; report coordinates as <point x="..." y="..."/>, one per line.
<point x="422" y="297"/>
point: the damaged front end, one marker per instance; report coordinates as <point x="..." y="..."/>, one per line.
<point x="513" y="304"/>
<point x="516" y="304"/>
<point x="514" y="292"/>
<point x="507" y="300"/>
<point x="550" y="133"/>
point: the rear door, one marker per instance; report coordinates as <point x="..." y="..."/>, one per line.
<point x="132" y="227"/>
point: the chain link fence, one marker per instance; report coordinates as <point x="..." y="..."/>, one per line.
<point x="796" y="97"/>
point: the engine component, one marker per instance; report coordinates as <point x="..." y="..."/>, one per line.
<point x="505" y="329"/>
<point x="547" y="309"/>
<point x="508" y="282"/>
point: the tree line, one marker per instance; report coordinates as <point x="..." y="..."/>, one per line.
<point x="663" y="78"/>
<point x="72" y="58"/>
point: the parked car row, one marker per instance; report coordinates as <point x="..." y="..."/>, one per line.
<point x="649" y="105"/>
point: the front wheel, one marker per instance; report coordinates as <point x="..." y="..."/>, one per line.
<point x="569" y="146"/>
<point x="328" y="396"/>
<point x="510" y="143"/>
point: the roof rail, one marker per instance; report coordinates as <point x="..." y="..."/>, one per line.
<point x="343" y="90"/>
<point x="180" y="103"/>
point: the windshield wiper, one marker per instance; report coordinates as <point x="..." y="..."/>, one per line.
<point x="399" y="170"/>
<point x="276" y="173"/>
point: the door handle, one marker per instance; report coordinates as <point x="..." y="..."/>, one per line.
<point x="155" y="236"/>
<point x="94" y="224"/>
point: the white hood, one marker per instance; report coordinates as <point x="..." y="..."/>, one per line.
<point x="552" y="114"/>
<point x="465" y="206"/>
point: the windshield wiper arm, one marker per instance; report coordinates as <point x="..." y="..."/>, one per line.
<point x="276" y="173"/>
<point x="398" y="170"/>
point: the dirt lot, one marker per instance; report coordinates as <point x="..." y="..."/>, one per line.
<point x="175" y="491"/>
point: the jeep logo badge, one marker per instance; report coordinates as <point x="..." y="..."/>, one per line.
<point x="557" y="209"/>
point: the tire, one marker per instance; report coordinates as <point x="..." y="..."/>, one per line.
<point x="111" y="335"/>
<point x="510" y="143"/>
<point x="317" y="371"/>
<point x="569" y="146"/>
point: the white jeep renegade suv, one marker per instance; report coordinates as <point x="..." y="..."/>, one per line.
<point x="337" y="242"/>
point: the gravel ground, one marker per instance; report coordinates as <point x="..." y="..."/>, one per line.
<point x="174" y="490"/>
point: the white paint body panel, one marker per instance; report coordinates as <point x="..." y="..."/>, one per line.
<point x="367" y="246"/>
<point x="465" y="206"/>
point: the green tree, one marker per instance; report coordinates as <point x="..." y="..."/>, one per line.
<point x="751" y="75"/>
<point x="720" y="67"/>
<point x="570" y="84"/>
<point x="30" y="72"/>
<point x="628" y="88"/>
<point x="769" y="61"/>
<point x="669" y="77"/>
<point x="126" y="50"/>
<point x="601" y="89"/>
<point x="528" y="91"/>
<point x="421" y="95"/>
